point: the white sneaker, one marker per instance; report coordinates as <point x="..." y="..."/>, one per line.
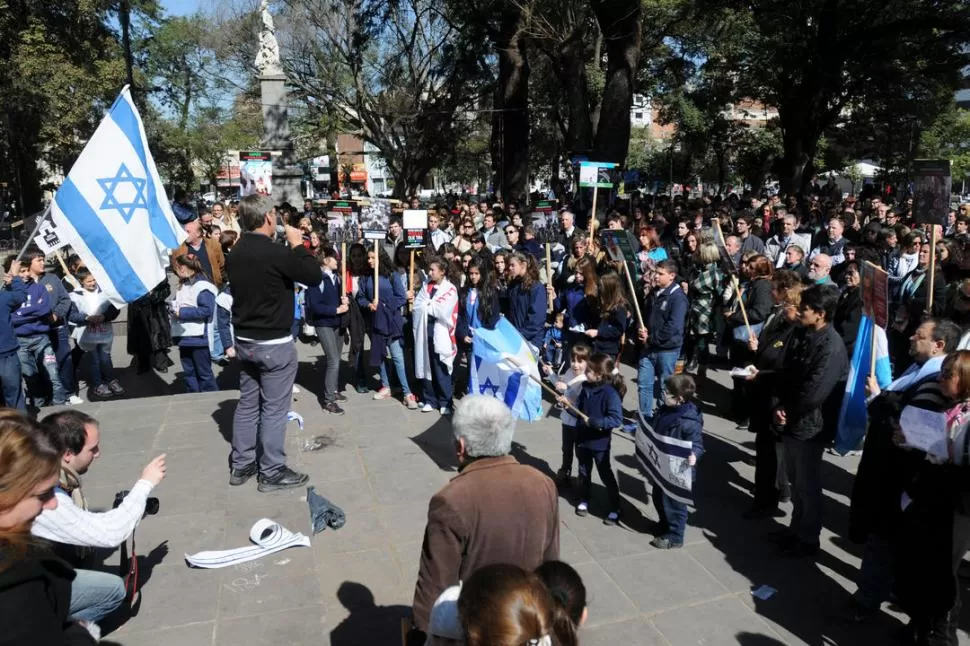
<point x="445" y="410"/>
<point x="74" y="400"/>
<point x="427" y="408"/>
<point x="296" y="391"/>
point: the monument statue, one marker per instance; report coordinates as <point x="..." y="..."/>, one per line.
<point x="268" y="57"/>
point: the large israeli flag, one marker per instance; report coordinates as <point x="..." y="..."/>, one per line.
<point x="113" y="210"/>
<point x="501" y="365"/>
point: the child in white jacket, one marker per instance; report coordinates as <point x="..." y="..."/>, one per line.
<point x="96" y="336"/>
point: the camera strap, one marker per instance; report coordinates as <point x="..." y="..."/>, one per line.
<point x="129" y="572"/>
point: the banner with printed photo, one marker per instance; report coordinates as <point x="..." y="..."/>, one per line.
<point x="664" y="461"/>
<point x="875" y="293"/>
<point x="255" y="173"/>
<point x="375" y="216"/>
<point x="931" y="190"/>
<point x="415" y="224"/>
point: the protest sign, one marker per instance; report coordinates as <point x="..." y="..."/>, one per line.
<point x="596" y="174"/>
<point x="341" y="214"/>
<point x="49" y="239"/>
<point x="931" y="190"/>
<point x="255" y="173"/>
<point x="375" y="216"/>
<point x="875" y="293"/>
<point x="664" y="461"/>
<point x="415" y="224"/>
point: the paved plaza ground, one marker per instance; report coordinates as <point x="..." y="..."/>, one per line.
<point x="381" y="464"/>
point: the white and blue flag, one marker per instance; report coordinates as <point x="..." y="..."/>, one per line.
<point x="853" y="415"/>
<point x="502" y="363"/>
<point x="113" y="210"/>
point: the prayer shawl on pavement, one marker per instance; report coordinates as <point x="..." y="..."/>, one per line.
<point x="443" y="308"/>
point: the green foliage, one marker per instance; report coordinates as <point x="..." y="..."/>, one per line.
<point x="949" y="138"/>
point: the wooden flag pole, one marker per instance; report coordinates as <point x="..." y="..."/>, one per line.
<point x="633" y="293"/>
<point x="546" y="387"/>
<point x="343" y="267"/>
<point x="551" y="298"/>
<point x="929" y="299"/>
<point x="377" y="266"/>
<point x="734" y="279"/>
<point x="592" y="218"/>
<point x="411" y="281"/>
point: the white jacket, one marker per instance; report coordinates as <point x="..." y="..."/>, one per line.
<point x="443" y="308"/>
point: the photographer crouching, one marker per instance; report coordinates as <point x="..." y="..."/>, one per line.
<point x="74" y="530"/>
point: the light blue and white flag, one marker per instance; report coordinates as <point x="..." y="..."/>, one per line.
<point x="853" y="416"/>
<point x="113" y="210"/>
<point x="501" y="365"/>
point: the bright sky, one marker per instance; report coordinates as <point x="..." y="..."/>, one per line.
<point x="181" y="7"/>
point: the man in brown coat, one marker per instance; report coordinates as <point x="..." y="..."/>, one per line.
<point x="207" y="250"/>
<point x="494" y="511"/>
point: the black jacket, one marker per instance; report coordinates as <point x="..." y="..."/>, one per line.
<point x="262" y="274"/>
<point x="815" y="363"/>
<point x="758" y="303"/>
<point x="886" y="470"/>
<point x="848" y="314"/>
<point x="35" y="596"/>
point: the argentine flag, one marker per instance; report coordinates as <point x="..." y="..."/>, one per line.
<point x="113" y="210"/>
<point x="492" y="371"/>
<point x="853" y="416"/>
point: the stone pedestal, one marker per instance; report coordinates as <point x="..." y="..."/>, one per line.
<point x="287" y="175"/>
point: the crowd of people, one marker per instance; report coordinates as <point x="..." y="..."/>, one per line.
<point x="771" y="287"/>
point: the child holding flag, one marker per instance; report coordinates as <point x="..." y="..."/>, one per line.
<point x="570" y="385"/>
<point x="678" y="418"/>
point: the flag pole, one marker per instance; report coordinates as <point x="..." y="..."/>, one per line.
<point x="633" y="293"/>
<point x="411" y="280"/>
<point x="737" y="284"/>
<point x="377" y="265"/>
<point x="551" y="298"/>
<point x="556" y="393"/>
<point x="40" y="221"/>
<point x="872" y="352"/>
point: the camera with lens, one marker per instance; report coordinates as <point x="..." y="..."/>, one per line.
<point x="151" y="505"/>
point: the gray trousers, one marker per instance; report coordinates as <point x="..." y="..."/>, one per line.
<point x="266" y="380"/>
<point x="333" y="343"/>
<point x="804" y="463"/>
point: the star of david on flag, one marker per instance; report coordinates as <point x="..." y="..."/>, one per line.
<point x="112" y="186"/>
<point x="112" y="208"/>
<point x="493" y="373"/>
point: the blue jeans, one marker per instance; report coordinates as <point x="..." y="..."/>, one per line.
<point x="397" y="356"/>
<point x="37" y="348"/>
<point x="11" y="382"/>
<point x="95" y="595"/>
<point x="101" y="367"/>
<point x="655" y="366"/>
<point x="61" y="343"/>
<point x="672" y="514"/>
<point x="197" y="369"/>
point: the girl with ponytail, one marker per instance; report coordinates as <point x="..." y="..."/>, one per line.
<point x="601" y="401"/>
<point x="569" y="600"/>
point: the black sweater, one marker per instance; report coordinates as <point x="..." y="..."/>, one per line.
<point x="262" y="274"/>
<point x="35" y="597"/>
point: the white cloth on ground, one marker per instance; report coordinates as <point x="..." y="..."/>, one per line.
<point x="269" y="537"/>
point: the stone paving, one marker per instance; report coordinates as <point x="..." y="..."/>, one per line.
<point x="381" y="464"/>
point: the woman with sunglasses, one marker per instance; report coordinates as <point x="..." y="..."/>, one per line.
<point x="35" y="585"/>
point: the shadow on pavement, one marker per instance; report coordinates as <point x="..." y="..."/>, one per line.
<point x="368" y="623"/>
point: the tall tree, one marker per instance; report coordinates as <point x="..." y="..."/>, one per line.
<point x="399" y="74"/>
<point x="60" y="68"/>
<point x="812" y="58"/>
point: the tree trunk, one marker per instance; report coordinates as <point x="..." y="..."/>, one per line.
<point x="797" y="165"/>
<point x="570" y="66"/>
<point x="510" y="121"/>
<point x="619" y="20"/>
